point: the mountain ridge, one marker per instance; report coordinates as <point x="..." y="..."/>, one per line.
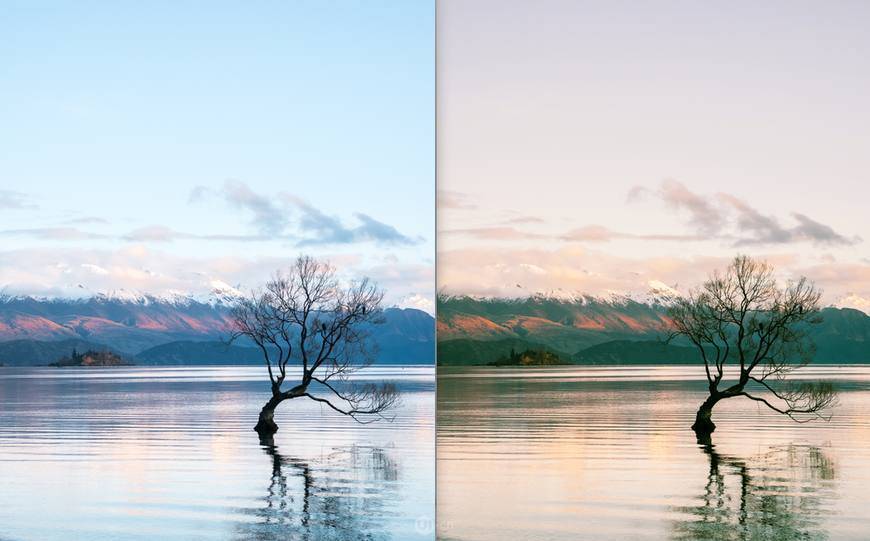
<point x="132" y="325"/>
<point x="574" y="325"/>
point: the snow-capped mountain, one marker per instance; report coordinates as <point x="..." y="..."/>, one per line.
<point x="571" y="323"/>
<point x="854" y="301"/>
<point x="131" y="322"/>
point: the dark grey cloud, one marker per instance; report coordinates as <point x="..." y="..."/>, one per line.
<point x="285" y="216"/>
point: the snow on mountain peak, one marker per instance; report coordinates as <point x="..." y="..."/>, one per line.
<point x="222" y="293"/>
<point x="662" y="288"/>
<point x="216" y="292"/>
<point x="852" y="300"/>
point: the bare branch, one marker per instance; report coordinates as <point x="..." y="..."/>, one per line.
<point x="743" y="316"/>
<point x="305" y="315"/>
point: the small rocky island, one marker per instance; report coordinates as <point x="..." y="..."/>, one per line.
<point x="92" y="358"/>
<point x="530" y="357"/>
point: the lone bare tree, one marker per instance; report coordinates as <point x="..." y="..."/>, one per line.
<point x="743" y="318"/>
<point x="307" y="319"/>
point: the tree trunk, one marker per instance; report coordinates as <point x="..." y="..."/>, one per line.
<point x="704" y="425"/>
<point x="266" y="423"/>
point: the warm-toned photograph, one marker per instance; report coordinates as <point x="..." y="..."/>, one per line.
<point x="653" y="271"/>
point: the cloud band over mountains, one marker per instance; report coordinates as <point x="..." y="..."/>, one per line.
<point x="720" y="217"/>
<point x="283" y="217"/>
<point x="278" y="215"/>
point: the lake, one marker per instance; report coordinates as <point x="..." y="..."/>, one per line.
<point x="567" y="453"/>
<point x="169" y="453"/>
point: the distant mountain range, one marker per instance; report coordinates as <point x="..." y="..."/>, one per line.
<point x="167" y="330"/>
<point x="590" y="330"/>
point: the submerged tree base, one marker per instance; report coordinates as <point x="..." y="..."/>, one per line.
<point x="704" y="425"/>
<point x="266" y="427"/>
<point x="266" y="423"/>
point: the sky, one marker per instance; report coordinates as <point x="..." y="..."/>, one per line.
<point x="170" y="146"/>
<point x="610" y="147"/>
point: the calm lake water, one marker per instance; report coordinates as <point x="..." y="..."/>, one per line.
<point x="169" y="453"/>
<point x="607" y="453"/>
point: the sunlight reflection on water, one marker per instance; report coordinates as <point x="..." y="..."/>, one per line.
<point x="607" y="453"/>
<point x="169" y="453"/>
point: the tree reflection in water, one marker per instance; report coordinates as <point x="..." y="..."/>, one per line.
<point x="345" y="497"/>
<point x="778" y="496"/>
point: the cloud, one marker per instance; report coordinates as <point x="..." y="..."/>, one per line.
<point x="449" y="199"/>
<point x="574" y="269"/>
<point x="96" y="269"/>
<point x="154" y="233"/>
<point x="88" y="220"/>
<point x="756" y="228"/>
<point x="160" y="233"/>
<point x="12" y="200"/>
<point x="571" y="269"/>
<point x="702" y="213"/>
<point x="588" y="233"/>
<point x="593" y="233"/>
<point x="810" y="229"/>
<point x="54" y="233"/>
<point x="372" y="229"/>
<point x="82" y="272"/>
<point x="268" y="216"/>
<point x="417" y="301"/>
<point x="521" y="220"/>
<point x="726" y="217"/>
<point x="500" y="233"/>
<point x="599" y="233"/>
<point x="278" y="216"/>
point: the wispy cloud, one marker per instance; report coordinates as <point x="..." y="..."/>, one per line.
<point x="87" y="220"/>
<point x="160" y="233"/>
<point x="702" y="213"/>
<point x="499" y="233"/>
<point x="494" y="271"/>
<point x="11" y="200"/>
<point x="54" y="233"/>
<point x="81" y="272"/>
<point x="449" y="199"/>
<point x="726" y="217"/>
<point x="599" y="233"/>
<point x="524" y="220"/>
<point x="292" y="218"/>
<point x="587" y="233"/>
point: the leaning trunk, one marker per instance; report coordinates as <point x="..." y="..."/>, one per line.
<point x="704" y="425"/>
<point x="266" y="423"/>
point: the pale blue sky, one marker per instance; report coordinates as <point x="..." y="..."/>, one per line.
<point x="283" y="119"/>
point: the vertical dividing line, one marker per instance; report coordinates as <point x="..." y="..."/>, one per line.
<point x="435" y="277"/>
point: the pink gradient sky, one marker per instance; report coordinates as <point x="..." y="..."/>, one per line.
<point x="595" y="147"/>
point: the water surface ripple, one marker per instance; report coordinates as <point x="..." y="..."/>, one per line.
<point x="169" y="453"/>
<point x="550" y="454"/>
